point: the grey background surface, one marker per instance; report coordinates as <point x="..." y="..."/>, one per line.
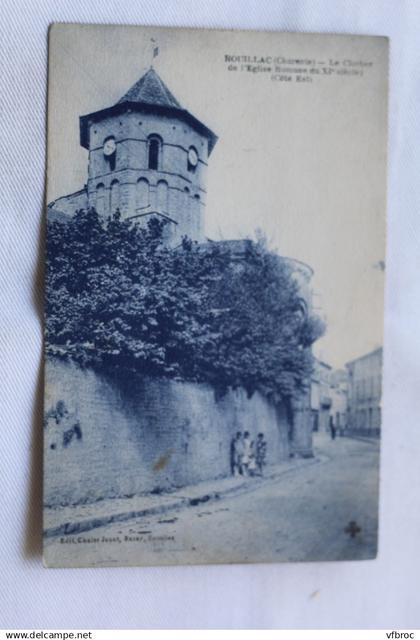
<point x="376" y="594"/>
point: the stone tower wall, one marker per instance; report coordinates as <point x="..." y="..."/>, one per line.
<point x="173" y="189"/>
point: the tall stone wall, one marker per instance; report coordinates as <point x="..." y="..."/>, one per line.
<point x="106" y="439"/>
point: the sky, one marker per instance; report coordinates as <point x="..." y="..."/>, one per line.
<point x="305" y="162"/>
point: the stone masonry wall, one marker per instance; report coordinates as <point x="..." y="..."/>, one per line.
<point x="71" y="203"/>
<point x="105" y="440"/>
<point x="185" y="198"/>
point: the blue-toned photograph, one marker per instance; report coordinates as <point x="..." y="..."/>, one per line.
<point x="214" y="296"/>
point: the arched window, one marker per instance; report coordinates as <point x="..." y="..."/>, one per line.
<point x="186" y="201"/>
<point x="114" y="196"/>
<point x="162" y="196"/>
<point x="154" y="151"/>
<point x="196" y="220"/>
<point x="186" y="211"/>
<point x="142" y="195"/>
<point x="100" y="199"/>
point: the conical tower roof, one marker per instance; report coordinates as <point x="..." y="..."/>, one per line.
<point x="148" y="95"/>
<point x="150" y="89"/>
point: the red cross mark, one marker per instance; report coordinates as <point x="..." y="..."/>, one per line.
<point x="352" y="528"/>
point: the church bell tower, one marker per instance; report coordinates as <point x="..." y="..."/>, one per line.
<point x="148" y="156"/>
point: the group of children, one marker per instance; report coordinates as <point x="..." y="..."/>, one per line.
<point x="248" y="457"/>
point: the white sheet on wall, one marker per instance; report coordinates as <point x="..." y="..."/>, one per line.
<point x="373" y="594"/>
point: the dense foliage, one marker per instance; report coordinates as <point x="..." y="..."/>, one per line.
<point x="119" y="300"/>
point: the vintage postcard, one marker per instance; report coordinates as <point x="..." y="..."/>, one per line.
<point x="214" y="296"/>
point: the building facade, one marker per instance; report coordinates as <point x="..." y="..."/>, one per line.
<point x="329" y="389"/>
<point x="364" y="394"/>
<point x="321" y="396"/>
<point x="147" y="156"/>
<point x="339" y="398"/>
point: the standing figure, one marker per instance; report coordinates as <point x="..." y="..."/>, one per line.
<point x="247" y="454"/>
<point x="236" y="452"/>
<point x="260" y="453"/>
<point x="332" y="428"/>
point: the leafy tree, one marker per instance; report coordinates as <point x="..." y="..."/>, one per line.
<point x="119" y="300"/>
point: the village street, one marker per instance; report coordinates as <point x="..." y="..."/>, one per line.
<point x="301" y="516"/>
